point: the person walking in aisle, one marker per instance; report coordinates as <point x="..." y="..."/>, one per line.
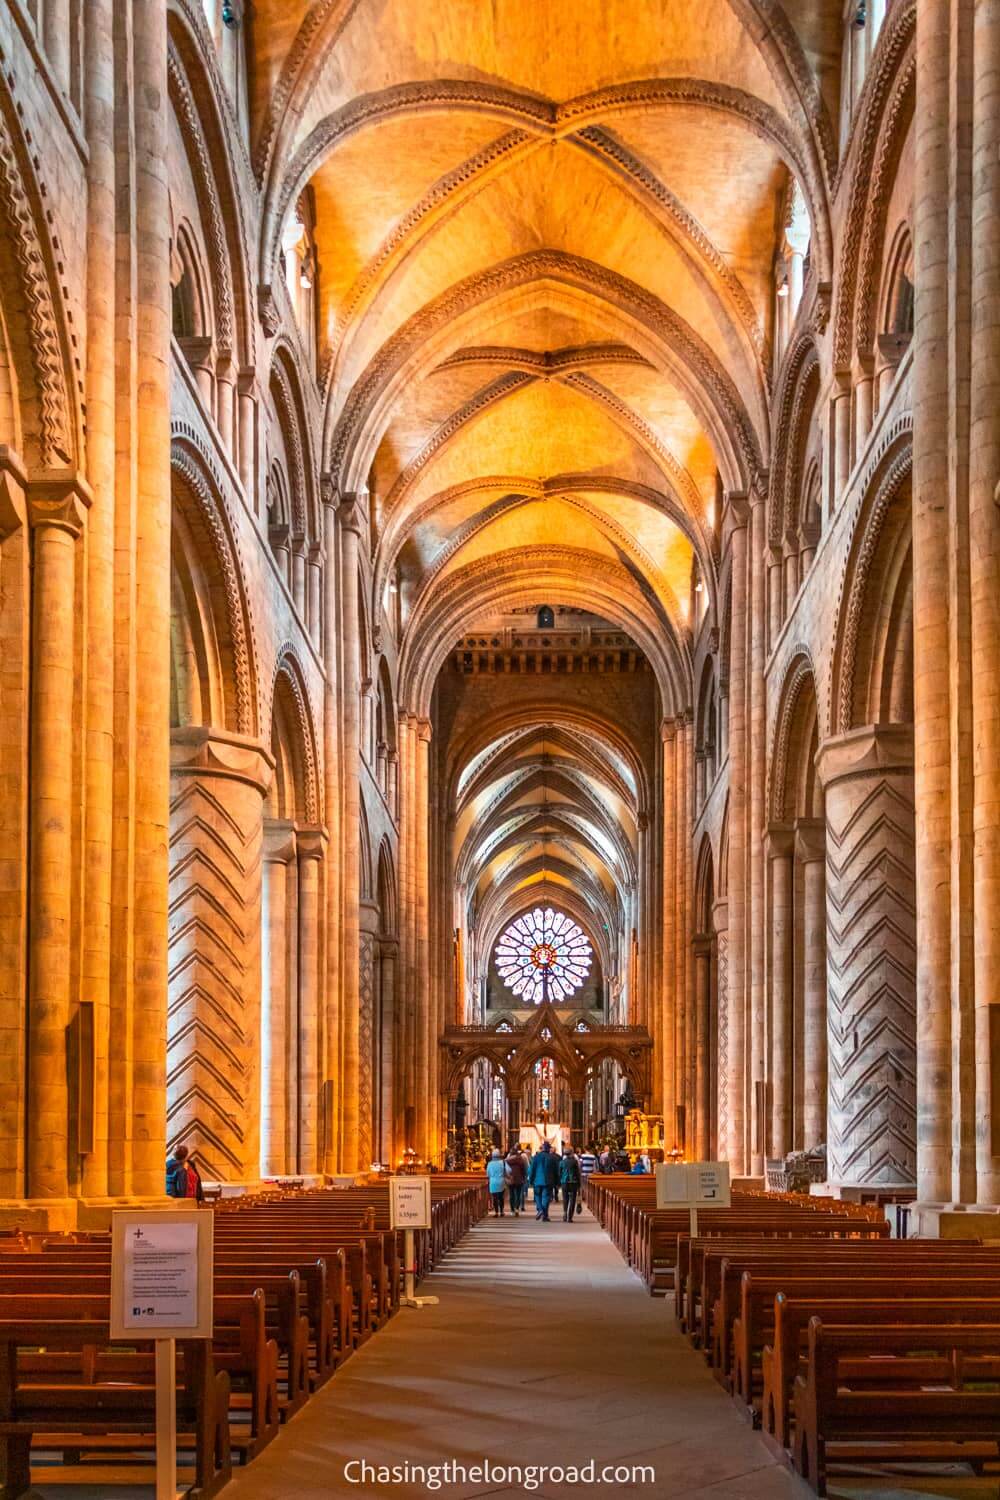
<point x="516" y="1175"/>
<point x="588" y="1162"/>
<point x="569" y="1179"/>
<point x="496" y="1177"/>
<point x="543" y="1176"/>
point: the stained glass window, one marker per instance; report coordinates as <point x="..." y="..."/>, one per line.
<point x="543" y="951"/>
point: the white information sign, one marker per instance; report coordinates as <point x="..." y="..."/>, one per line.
<point x="693" y="1184"/>
<point x="161" y="1273"/>
<point x="410" y="1202"/>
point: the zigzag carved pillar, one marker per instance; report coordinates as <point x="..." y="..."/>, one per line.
<point x="871" y="956"/>
<point x="217" y="785"/>
<point x="367" y="1010"/>
<point x="720" y="920"/>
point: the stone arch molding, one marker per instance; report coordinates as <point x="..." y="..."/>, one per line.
<point x="888" y="471"/>
<point x="287" y="667"/>
<point x="188" y="463"/>
<point x="41" y="340"/>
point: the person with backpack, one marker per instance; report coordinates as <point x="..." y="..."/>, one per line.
<point x="177" y="1173"/>
<point x="569" y="1178"/>
<point x="496" y="1177"/>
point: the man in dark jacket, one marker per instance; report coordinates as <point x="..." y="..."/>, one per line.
<point x="543" y="1175"/>
<point x="569" y="1181"/>
<point x="177" y="1173"/>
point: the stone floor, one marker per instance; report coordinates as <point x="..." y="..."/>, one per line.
<point x="543" y="1349"/>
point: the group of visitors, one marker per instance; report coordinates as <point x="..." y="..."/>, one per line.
<point x="547" y="1173"/>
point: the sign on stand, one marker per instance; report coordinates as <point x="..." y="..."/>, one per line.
<point x="162" y="1288"/>
<point x="693" y="1185"/>
<point x="410" y="1209"/>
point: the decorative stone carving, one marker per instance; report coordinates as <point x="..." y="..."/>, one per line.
<point x="871" y="955"/>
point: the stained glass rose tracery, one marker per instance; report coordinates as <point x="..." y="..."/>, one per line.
<point x="543" y="950"/>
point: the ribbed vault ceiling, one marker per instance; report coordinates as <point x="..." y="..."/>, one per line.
<point x="546" y="237"/>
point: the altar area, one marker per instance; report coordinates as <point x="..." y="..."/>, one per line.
<point x="535" y="1132"/>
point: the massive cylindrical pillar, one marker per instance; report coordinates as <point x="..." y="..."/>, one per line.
<point x="984" y="535"/>
<point x="755" y="827"/>
<point x="871" y="956"/>
<point x="218" y="783"/>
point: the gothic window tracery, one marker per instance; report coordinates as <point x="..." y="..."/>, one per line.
<point x="543" y="953"/>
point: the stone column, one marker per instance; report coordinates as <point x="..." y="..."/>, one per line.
<point x="513" y="1119"/>
<point x="390" y="1092"/>
<point x="349" y="517"/>
<point x="311" y="848"/>
<point x="864" y="387"/>
<point x="56" y="513"/>
<point x="775" y="594"/>
<point x="246" y="436"/>
<point x="332" y="761"/>
<point x="867" y="775"/>
<point x="932" y="590"/>
<point x="576" y="1121"/>
<point x="984" y="528"/>
<point x="782" y="929"/>
<point x="810" y="855"/>
<point x="841" y="433"/>
<point x="720" y="922"/>
<point x="758" y="776"/>
<point x="218" y="783"/>
<point x="277" y="1011"/>
<point x="702" y="1071"/>
<point x="56" y="26"/>
<point x="686" y="856"/>
<point x="425" y="1101"/>
<point x="366" y="1038"/>
<point x="737" y="516"/>
<point x="95" y="975"/>
<point x="664" y="1037"/>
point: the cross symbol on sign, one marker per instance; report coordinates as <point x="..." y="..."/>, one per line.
<point x="138" y="1234"/>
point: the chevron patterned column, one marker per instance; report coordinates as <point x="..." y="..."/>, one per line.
<point x="217" y="787"/>
<point x="871" y="956"/>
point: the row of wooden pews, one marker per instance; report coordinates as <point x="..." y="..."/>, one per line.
<point x="302" y="1280"/>
<point x="843" y="1345"/>
<point x="649" y="1238"/>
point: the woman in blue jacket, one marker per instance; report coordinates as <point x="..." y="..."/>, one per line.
<point x="496" y="1176"/>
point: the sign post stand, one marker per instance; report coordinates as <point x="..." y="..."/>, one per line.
<point x="694" y="1185"/>
<point x="162" y="1289"/>
<point x="166" y="1419"/>
<point x="410" y="1209"/>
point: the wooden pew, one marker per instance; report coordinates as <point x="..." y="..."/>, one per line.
<point x="782" y="1360"/>
<point x="63" y="1414"/>
<point x="891" y="1417"/>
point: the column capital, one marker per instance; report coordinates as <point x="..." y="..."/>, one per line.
<point x="810" y="840"/>
<point x="759" y="486"/>
<point x="871" y="750"/>
<point x="735" y="511"/>
<point x="668" y="731"/>
<point x="424" y="729"/>
<point x="279" y="841"/>
<point x="197" y="751"/>
<point x="13" y="485"/>
<point x="59" y="498"/>
<point x="246" y="381"/>
<point x="779" y="840"/>
<point x="349" y="513"/>
<point x="720" y="915"/>
<point x="311" y="841"/>
<point x="701" y="945"/>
